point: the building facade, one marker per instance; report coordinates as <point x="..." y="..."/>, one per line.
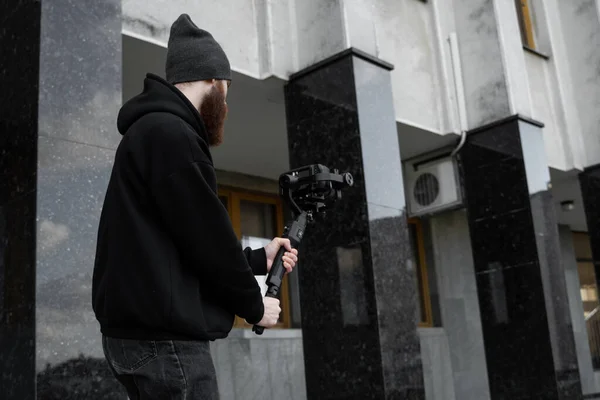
<point x="463" y="263"/>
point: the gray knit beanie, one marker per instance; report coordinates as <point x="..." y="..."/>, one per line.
<point x="194" y="55"/>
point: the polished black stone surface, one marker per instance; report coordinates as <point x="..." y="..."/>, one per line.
<point x="528" y="337"/>
<point x="17" y="292"/>
<point x="79" y="98"/>
<point x="19" y="58"/>
<point x="589" y="181"/>
<point x="357" y="291"/>
<point x="60" y="79"/>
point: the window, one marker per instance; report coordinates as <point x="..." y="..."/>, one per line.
<point x="589" y="292"/>
<point x="587" y="274"/>
<point x="257" y="219"/>
<point x="525" y="22"/>
<point x="418" y="246"/>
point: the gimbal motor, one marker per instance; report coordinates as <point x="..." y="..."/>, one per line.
<point x="313" y="188"/>
<point x="309" y="190"/>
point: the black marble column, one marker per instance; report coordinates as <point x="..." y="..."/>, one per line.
<point x="79" y="99"/>
<point x="60" y="74"/>
<point x="528" y="336"/>
<point x="589" y="181"/>
<point x="19" y="71"/>
<point x="357" y="285"/>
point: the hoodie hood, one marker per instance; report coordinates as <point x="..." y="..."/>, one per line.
<point x="159" y="96"/>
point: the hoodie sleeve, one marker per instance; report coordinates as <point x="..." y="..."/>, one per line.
<point x="197" y="220"/>
<point x="257" y="260"/>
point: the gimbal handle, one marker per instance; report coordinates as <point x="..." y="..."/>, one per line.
<point x="294" y="232"/>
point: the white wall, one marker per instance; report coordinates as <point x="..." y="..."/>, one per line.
<point x="254" y="33"/>
<point x="480" y="55"/>
<point x="403" y="32"/>
<point x="437" y="365"/>
<point x="546" y="107"/>
<point x="270" y="366"/>
<point x="266" y="37"/>
<point x="321" y="30"/>
<point x="581" y="35"/>
<point x="459" y="304"/>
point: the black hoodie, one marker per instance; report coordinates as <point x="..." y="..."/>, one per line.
<point x="168" y="263"/>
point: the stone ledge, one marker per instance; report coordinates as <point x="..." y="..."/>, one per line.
<point x="242" y="333"/>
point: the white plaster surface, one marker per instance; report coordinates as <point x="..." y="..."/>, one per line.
<point x="544" y="108"/>
<point x="403" y="32"/>
<point x="250" y="368"/>
<point x="322" y="31"/>
<point x="513" y="57"/>
<point x="437" y="368"/>
<point x="560" y="67"/>
<point x="279" y="37"/>
<point x="581" y="33"/>
<point x="233" y="23"/>
<point x="481" y="59"/>
<point x="459" y="304"/>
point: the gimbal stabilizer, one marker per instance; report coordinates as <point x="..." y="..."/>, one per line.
<point x="309" y="190"/>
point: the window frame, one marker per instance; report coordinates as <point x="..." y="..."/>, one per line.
<point x="585" y="236"/>
<point x="525" y="23"/>
<point x="234" y="198"/>
<point x="422" y="270"/>
<point x="588" y="259"/>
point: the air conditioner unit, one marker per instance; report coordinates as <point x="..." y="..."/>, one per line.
<point x="432" y="184"/>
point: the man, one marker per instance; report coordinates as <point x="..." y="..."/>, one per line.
<point x="170" y="274"/>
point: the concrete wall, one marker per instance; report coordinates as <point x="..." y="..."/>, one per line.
<point x="271" y="366"/>
<point x="499" y="78"/>
<point x="437" y="365"/>
<point x="552" y="93"/>
<point x="546" y="107"/>
<point x="259" y="36"/>
<point x="581" y="37"/>
<point x="251" y="367"/>
<point x="153" y="20"/>
<point x="459" y="304"/>
<point x="404" y="33"/>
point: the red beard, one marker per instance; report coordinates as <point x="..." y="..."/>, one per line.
<point x="214" y="111"/>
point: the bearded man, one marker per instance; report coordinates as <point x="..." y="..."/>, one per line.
<point x="170" y="273"/>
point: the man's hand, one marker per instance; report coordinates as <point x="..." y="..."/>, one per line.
<point x="290" y="258"/>
<point x="272" y="311"/>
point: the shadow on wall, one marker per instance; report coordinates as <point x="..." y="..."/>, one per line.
<point x="77" y="379"/>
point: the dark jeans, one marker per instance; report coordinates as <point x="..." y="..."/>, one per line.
<point x="164" y="369"/>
